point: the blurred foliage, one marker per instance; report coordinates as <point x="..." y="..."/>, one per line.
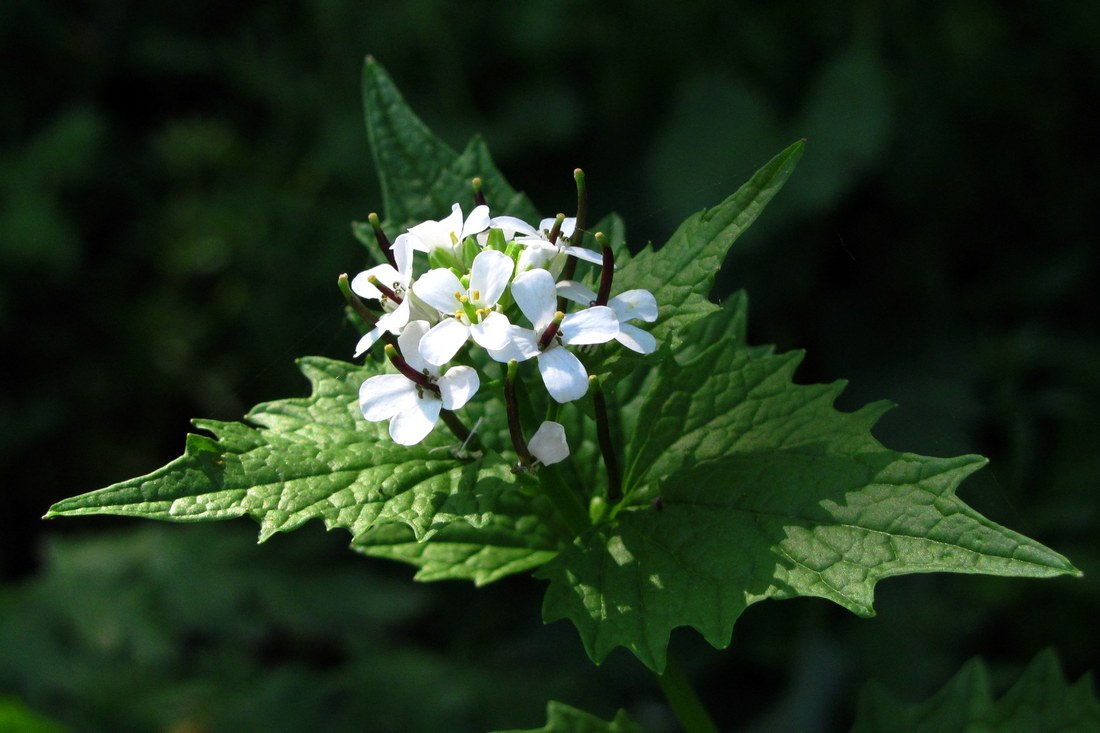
<point x="176" y="187"/>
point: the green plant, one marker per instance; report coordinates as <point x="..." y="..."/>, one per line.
<point x="677" y="474"/>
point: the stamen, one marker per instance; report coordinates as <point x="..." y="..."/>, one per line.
<point x="475" y="295"/>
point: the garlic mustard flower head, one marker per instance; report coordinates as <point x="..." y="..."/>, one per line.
<point x="394" y="299"/>
<point x="562" y="372"/>
<point x="630" y="305"/>
<point x="449" y="233"/>
<point x="470" y="312"/>
<point x="412" y="407"/>
<point x="539" y="251"/>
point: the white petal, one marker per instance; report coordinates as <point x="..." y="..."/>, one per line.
<point x="536" y="255"/>
<point x="361" y="285"/>
<point x="595" y="325"/>
<point x="409" y="343"/>
<point x="477" y="221"/>
<point x="443" y="341"/>
<point x="511" y="226"/>
<point x="382" y="397"/>
<point x="522" y="345"/>
<point x="457" y="386"/>
<point x="489" y="275"/>
<point x="437" y="288"/>
<point x="568" y="226"/>
<point x="396" y="319"/>
<point x="432" y="234"/>
<point x="635" y="304"/>
<point x="411" y="426"/>
<point x="563" y="374"/>
<point x="584" y="254"/>
<point x="403" y="256"/>
<point x="576" y="292"/>
<point x="636" y="339"/>
<point x="493" y="332"/>
<point x="535" y="295"/>
<point x="368" y="340"/>
<point x="548" y="444"/>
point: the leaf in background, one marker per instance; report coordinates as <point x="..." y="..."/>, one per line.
<point x="766" y="491"/>
<point x="421" y="175"/>
<point x="561" y="718"/>
<point x="15" y="717"/>
<point x="313" y="457"/>
<point x="1040" y="701"/>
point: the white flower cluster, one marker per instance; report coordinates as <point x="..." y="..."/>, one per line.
<point x="485" y="276"/>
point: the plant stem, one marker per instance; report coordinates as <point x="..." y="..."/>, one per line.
<point x="684" y="701"/>
<point x="607" y="446"/>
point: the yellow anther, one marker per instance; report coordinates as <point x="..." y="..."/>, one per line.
<point x="475" y="295"/>
<point x="454" y="238"/>
<point x="460" y="296"/>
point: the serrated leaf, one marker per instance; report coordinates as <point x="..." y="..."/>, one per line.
<point x="765" y="491"/>
<point x="420" y="175"/>
<point x="561" y="718"/>
<point x="310" y="458"/>
<point x="1041" y="701"/>
<point x="521" y="535"/>
<point x="680" y="274"/>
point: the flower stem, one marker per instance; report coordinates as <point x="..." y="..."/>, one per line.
<point x="455" y="425"/>
<point x="511" y="407"/>
<point x="607" y="447"/>
<point x="684" y="701"/>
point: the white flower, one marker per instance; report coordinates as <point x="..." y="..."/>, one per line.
<point x="472" y="308"/>
<point x="548" y="444"/>
<point x="449" y="232"/>
<point x="539" y="251"/>
<point x="395" y="280"/>
<point x="413" y="408"/>
<point x="562" y="372"/>
<point x="627" y="306"/>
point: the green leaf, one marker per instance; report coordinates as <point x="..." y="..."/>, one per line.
<point x="420" y="175"/>
<point x="765" y="491"/>
<point x="561" y="718"/>
<point x="310" y="458"/>
<point x="1041" y="701"/>
<point x="15" y="717"/>
<point x="521" y="535"/>
<point x="680" y="274"/>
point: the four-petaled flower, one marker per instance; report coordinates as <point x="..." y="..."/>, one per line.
<point x="539" y="251"/>
<point x="396" y="281"/>
<point x="449" y="233"/>
<point x="473" y="308"/>
<point x="412" y="407"/>
<point x="562" y="372"/>
<point x="627" y="306"/>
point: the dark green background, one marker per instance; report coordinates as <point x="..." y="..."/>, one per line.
<point x="174" y="207"/>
